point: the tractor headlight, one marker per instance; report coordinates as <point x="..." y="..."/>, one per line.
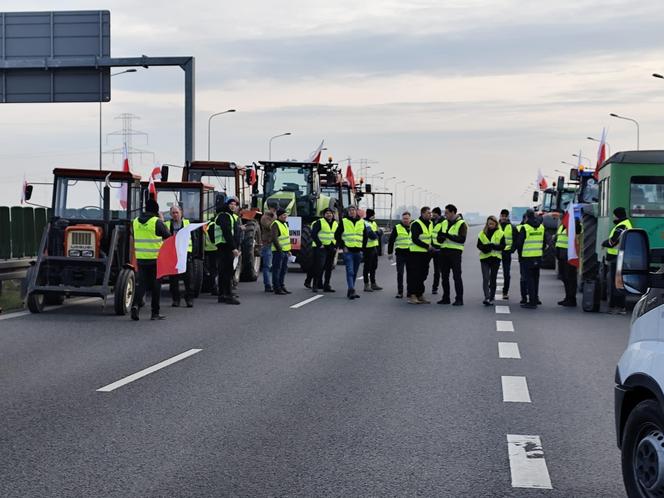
<point x="74" y="253"/>
<point x="88" y="254"/>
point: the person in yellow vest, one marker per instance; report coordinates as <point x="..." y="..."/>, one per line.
<point x="437" y="220"/>
<point x="399" y="243"/>
<point x="224" y="234"/>
<point x="506" y="259"/>
<point x="324" y="250"/>
<point x="621" y="223"/>
<point x="370" y="252"/>
<point x="174" y="225"/>
<point x="281" y="251"/>
<point x="491" y="243"/>
<point x="419" y="256"/>
<point x="350" y="236"/>
<point x="531" y="244"/>
<point x="149" y="231"/>
<point x="568" y="272"/>
<point x="451" y="238"/>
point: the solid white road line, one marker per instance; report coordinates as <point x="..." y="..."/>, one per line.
<point x="504" y="326"/>
<point x="509" y="350"/>
<point x="306" y="301"/>
<point x="360" y="278"/>
<point x="394" y="264"/>
<point x="527" y="463"/>
<point x="148" y="371"/>
<point x="502" y="310"/>
<point x="515" y="389"/>
<point x="74" y="302"/>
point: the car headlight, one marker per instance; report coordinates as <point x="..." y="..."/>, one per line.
<point x="74" y="253"/>
<point x="88" y="254"/>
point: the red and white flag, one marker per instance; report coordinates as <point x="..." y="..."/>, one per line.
<point x="569" y="222"/>
<point x="601" y="154"/>
<point x="122" y="192"/>
<point x="155" y="175"/>
<point x="172" y="257"/>
<point x="350" y="177"/>
<point x="314" y="157"/>
<point x="541" y="181"/>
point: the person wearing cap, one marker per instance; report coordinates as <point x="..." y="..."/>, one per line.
<point x="370" y="252"/>
<point x="350" y="236"/>
<point x="224" y="234"/>
<point x="324" y="251"/>
<point x="621" y="223"/>
<point x="281" y="247"/>
<point x="399" y="243"/>
<point x="149" y="231"/>
<point x="437" y="221"/>
<point x="530" y="245"/>
<point x="174" y="225"/>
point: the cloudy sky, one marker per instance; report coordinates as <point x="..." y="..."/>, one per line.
<point x="464" y="98"/>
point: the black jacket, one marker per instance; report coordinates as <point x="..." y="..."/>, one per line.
<point x="460" y="238"/>
<point x="613" y="241"/>
<point x="160" y="229"/>
<point x="224" y="222"/>
<point x="315" y="230"/>
<point x="416" y="231"/>
<point x="521" y="237"/>
<point x="487" y="248"/>
<point x="393" y="240"/>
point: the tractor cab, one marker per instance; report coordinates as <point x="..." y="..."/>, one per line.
<point x="87" y="248"/>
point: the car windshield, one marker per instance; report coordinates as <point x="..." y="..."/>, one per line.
<point x="547" y="202"/>
<point x="647" y="196"/>
<point x="188" y="199"/>
<point x="288" y="179"/>
<point x="82" y="198"/>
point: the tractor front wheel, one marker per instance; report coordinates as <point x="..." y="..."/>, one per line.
<point x="124" y="290"/>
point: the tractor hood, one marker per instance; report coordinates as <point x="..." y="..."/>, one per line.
<point x="282" y="200"/>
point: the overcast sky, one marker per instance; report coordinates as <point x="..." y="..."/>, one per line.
<point x="465" y="98"/>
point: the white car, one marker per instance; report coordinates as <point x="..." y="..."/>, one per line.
<point x="639" y="402"/>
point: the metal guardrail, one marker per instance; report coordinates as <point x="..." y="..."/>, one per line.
<point x="14" y="268"/>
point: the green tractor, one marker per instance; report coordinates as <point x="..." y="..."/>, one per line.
<point x="635" y="181"/>
<point x="297" y="187"/>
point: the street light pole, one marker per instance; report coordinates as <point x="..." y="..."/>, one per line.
<point x="638" y="131"/>
<point x="288" y="133"/>
<point x="209" y="122"/>
<point x="132" y="70"/>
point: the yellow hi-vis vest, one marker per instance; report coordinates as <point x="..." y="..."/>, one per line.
<point x="218" y="233"/>
<point x="284" y="236"/>
<point x="562" y="239"/>
<point x="534" y="241"/>
<point x="425" y="237"/>
<point x="627" y="225"/>
<point x="495" y="239"/>
<point x="509" y="236"/>
<point x="353" y="233"/>
<point x="374" y="229"/>
<point x="403" y="237"/>
<point x="452" y="230"/>
<point x="209" y="244"/>
<point x="326" y="233"/>
<point x="146" y="242"/>
<point x="185" y="222"/>
<point x="437" y="228"/>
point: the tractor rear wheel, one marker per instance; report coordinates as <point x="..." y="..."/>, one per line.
<point x="251" y="258"/>
<point x="124" y="291"/>
<point x="54" y="299"/>
<point x="305" y="255"/>
<point x="35" y="302"/>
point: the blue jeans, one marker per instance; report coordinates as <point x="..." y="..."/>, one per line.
<point x="279" y="269"/>
<point x="352" y="261"/>
<point x="266" y="259"/>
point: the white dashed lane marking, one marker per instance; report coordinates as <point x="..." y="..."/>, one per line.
<point x="515" y="389"/>
<point x="504" y="326"/>
<point x="509" y="350"/>
<point x="503" y="310"/>
<point x="306" y="301"/>
<point x="527" y="463"/>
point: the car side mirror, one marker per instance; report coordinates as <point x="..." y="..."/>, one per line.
<point x="633" y="265"/>
<point x="28" y="192"/>
<point x="164" y="173"/>
<point x="535" y="196"/>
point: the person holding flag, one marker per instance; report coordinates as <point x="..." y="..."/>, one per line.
<point x="566" y="252"/>
<point x="175" y="224"/>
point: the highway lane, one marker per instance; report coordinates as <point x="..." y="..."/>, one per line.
<point x="371" y="397"/>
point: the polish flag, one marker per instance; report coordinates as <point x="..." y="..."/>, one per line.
<point x="172" y="257"/>
<point x="541" y="181"/>
<point x="350" y="177"/>
<point x="122" y="192"/>
<point x="601" y="154"/>
<point x="155" y="175"/>
<point x="314" y="157"/>
<point x="569" y="222"/>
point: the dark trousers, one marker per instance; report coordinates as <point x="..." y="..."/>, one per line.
<point x="279" y="269"/>
<point x="402" y="258"/>
<point x="211" y="271"/>
<point x="436" y="271"/>
<point x="225" y="268"/>
<point x="418" y="270"/>
<point x="616" y="299"/>
<point x="147" y="280"/>
<point x="568" y="273"/>
<point x="507" y="271"/>
<point x="489" y="275"/>
<point x="323" y="266"/>
<point x="530" y="270"/>
<point x="174" y="283"/>
<point x="450" y="261"/>
<point x="370" y="264"/>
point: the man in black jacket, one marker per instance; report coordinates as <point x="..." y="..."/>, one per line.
<point x="452" y="238"/>
<point x="399" y="244"/>
<point x="436" y="218"/>
<point x="324" y="252"/>
<point x="421" y="249"/>
<point x="224" y="234"/>
<point x="621" y="223"/>
<point x="530" y="257"/>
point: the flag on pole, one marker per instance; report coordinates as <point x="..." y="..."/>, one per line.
<point x="155" y="175"/>
<point x="253" y="176"/>
<point x="122" y="192"/>
<point x="23" y="189"/>
<point x="601" y="154"/>
<point x="569" y="222"/>
<point x="350" y="177"/>
<point x="314" y="157"/>
<point x="541" y="181"/>
<point x="172" y="257"/>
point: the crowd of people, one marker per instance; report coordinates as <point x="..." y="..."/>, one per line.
<point x="435" y="239"/>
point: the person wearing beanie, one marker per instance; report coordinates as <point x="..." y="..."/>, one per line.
<point x="370" y="246"/>
<point x="324" y="250"/>
<point x="281" y="251"/>
<point x="436" y="220"/>
<point x="350" y="235"/>
<point x="149" y="231"/>
<point x="621" y="223"/>
<point x="224" y="234"/>
<point x="531" y="244"/>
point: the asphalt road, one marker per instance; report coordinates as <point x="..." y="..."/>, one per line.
<point x="373" y="397"/>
